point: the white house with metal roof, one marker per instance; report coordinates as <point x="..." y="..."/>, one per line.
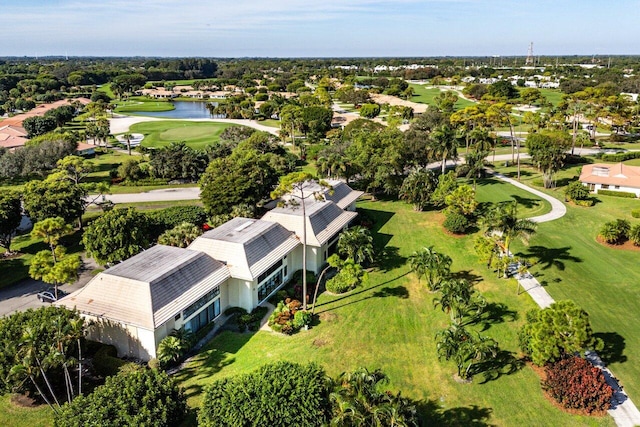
<point x="136" y="303"/>
<point x="324" y="221"/>
<point x="260" y="256"/>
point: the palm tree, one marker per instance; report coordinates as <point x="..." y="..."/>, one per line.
<point x="460" y="300"/>
<point x="475" y="162"/>
<point x="503" y="220"/>
<point x="356" y="243"/>
<point x="432" y="265"/>
<point x="443" y="145"/>
<point x="127" y="136"/>
<point x="356" y="400"/>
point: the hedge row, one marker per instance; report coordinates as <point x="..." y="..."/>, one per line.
<point x="617" y="193"/>
<point x="621" y="157"/>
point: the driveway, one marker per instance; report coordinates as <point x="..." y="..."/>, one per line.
<point x="23" y="295"/>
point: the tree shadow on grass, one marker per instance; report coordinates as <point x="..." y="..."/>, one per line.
<point x="384" y="292"/>
<point x="400" y="292"/>
<point x="504" y="363"/>
<point x="467" y="275"/>
<point x="379" y="218"/>
<point x="495" y="313"/>
<point x="389" y="258"/>
<point x="614" y="345"/>
<point x="549" y="257"/>
<point x="526" y="201"/>
<point x="215" y="356"/>
<point x="431" y="414"/>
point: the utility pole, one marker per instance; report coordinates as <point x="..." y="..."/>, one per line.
<point x="530" y="59"/>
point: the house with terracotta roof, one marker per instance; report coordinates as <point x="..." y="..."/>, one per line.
<point x="613" y="177"/>
<point x="12" y="137"/>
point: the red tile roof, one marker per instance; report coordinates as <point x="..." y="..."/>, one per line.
<point x="611" y="174"/>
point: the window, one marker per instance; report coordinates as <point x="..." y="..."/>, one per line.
<point x="176" y="317"/>
<point x="201" y="302"/>
<point x="604" y="186"/>
<point x="203" y="318"/>
<point x="617" y="187"/>
<point x="269" y="285"/>
<point x="270" y="271"/>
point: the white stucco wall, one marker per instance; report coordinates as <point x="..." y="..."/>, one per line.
<point x="636" y="191"/>
<point x="130" y="341"/>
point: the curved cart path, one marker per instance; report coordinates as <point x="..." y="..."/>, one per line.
<point x="623" y="411"/>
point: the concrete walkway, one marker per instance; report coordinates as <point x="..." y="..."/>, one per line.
<point x="623" y="411"/>
<point x="558" y="209"/>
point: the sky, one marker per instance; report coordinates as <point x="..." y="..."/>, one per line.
<point x="311" y="28"/>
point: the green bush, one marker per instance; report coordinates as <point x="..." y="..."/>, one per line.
<point x="140" y="397"/>
<point x="615" y="232"/>
<point x="455" y="222"/>
<point x="621" y="157"/>
<point x="234" y="310"/>
<point x="301" y="319"/>
<point x="168" y="218"/>
<point x="280" y="394"/>
<point x="617" y="193"/>
<point x="106" y="362"/>
<point x="576" y="191"/>
<point x="635" y="213"/>
<point x="350" y="276"/>
<point x="634" y="234"/>
<point x="586" y="203"/>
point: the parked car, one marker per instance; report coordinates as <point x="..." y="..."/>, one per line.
<point x="50" y="295"/>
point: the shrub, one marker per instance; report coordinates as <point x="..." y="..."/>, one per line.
<point x="350" y="275"/>
<point x="455" y="222"/>
<point x="617" y="193"/>
<point x="586" y="202"/>
<point x="369" y="110"/>
<point x="634" y="234"/>
<point x="106" y="362"/>
<point x="234" y="310"/>
<point x="615" y="232"/>
<point x="280" y="394"/>
<point x="635" y="213"/>
<point x="140" y="397"/>
<point x="621" y="157"/>
<point x="168" y="218"/>
<point x="301" y="319"/>
<point x="576" y="191"/>
<point x="576" y="384"/>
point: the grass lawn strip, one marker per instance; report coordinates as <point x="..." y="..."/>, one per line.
<point x="196" y="135"/>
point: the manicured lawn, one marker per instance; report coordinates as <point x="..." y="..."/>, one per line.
<point x="271" y="123"/>
<point x="603" y="281"/>
<point x="391" y="323"/>
<point x="426" y="94"/>
<point x="195" y="134"/>
<point x="139" y="104"/>
<point x="16" y="416"/>
<point x="15" y="269"/>
<point x="554" y="96"/>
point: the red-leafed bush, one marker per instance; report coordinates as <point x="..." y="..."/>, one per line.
<point x="577" y="384"/>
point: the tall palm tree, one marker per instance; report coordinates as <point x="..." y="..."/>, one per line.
<point x="503" y="220"/>
<point x="432" y="265"/>
<point x="127" y="136"/>
<point x="460" y="300"/>
<point x="443" y="145"/>
<point x="356" y="243"/>
<point x="475" y="162"/>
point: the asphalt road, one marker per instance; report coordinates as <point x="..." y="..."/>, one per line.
<point x="23" y="295"/>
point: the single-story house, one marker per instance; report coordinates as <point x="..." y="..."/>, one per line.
<point x="136" y="303"/>
<point x="12" y="137"/>
<point x="614" y="177"/>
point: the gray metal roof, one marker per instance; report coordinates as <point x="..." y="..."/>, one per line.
<point x="339" y="193"/>
<point x="149" y="288"/>
<point x="323" y="218"/>
<point x="247" y="246"/>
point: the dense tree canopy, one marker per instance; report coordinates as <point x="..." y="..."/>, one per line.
<point x="560" y="329"/>
<point x="10" y="217"/>
<point x="279" y="394"/>
<point x="54" y="198"/>
<point x="117" y="235"/>
<point x="140" y="397"/>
